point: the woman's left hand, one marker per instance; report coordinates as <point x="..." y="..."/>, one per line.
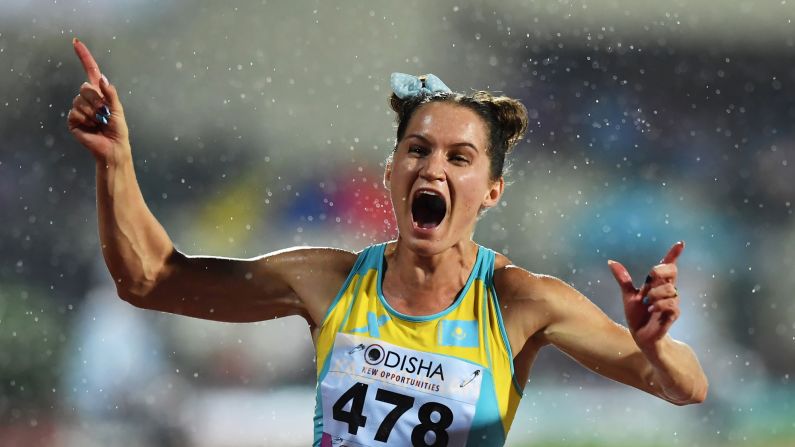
<point x="652" y="309"/>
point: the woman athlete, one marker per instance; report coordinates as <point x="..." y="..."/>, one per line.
<point x="425" y="340"/>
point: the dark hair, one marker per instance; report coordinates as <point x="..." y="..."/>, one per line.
<point x="505" y="118"/>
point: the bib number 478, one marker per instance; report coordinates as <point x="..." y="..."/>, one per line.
<point x="434" y="417"/>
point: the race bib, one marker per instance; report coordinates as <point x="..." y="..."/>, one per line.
<point x="375" y="393"/>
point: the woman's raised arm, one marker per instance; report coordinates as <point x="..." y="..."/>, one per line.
<point x="146" y="268"/>
<point x="642" y="355"/>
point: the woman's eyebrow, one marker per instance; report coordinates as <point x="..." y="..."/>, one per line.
<point x="418" y="136"/>
<point x="465" y="143"/>
<point x="427" y="141"/>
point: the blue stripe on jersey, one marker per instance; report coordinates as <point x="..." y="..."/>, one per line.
<point x="487" y="424"/>
<point x="372" y="325"/>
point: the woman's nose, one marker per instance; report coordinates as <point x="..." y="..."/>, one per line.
<point x="433" y="167"/>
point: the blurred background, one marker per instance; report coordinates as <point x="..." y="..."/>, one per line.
<point x="260" y="125"/>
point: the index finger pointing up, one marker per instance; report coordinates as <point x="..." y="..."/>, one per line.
<point x="673" y="253"/>
<point x="89" y="64"/>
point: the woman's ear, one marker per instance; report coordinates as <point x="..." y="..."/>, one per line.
<point x="493" y="194"/>
<point x="388" y="173"/>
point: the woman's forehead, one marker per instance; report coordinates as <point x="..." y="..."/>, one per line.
<point x="445" y="121"/>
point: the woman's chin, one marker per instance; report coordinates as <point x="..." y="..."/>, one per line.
<point x="426" y="241"/>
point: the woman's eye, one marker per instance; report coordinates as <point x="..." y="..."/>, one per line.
<point x="459" y="159"/>
<point x="416" y="150"/>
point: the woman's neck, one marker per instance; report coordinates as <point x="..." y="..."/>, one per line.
<point x="423" y="285"/>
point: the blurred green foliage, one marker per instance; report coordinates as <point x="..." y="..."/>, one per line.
<point x="32" y="339"/>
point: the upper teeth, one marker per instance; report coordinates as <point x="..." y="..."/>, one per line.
<point x="430" y="193"/>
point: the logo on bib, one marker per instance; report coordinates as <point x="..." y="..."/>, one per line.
<point x="376" y="393"/>
<point x="376" y="355"/>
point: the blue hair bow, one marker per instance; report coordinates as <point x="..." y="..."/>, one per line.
<point x="406" y="85"/>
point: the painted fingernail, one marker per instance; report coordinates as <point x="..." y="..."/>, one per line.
<point x="645" y="301"/>
<point x="104" y="80"/>
<point x="103" y="114"/>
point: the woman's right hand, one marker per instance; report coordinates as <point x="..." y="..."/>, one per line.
<point x="107" y="142"/>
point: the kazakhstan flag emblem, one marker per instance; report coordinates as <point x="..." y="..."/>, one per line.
<point x="461" y="333"/>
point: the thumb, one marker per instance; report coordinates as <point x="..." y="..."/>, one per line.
<point x="623" y="278"/>
<point x="111" y="96"/>
<point x="117" y="126"/>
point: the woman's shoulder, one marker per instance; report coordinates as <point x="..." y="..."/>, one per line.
<point x="514" y="283"/>
<point x="313" y="274"/>
<point x="314" y="259"/>
<point x="527" y="300"/>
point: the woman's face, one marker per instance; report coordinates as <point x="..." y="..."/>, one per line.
<point x="439" y="177"/>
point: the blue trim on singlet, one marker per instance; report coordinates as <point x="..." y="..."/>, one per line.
<point x="487" y="422"/>
<point x="359" y="260"/>
<point x="484" y="313"/>
<point x="318" y="419"/>
<point x="476" y="268"/>
<point x="496" y="303"/>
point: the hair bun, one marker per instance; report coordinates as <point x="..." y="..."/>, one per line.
<point x="511" y="116"/>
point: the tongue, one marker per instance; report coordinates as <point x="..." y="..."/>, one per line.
<point x="428" y="210"/>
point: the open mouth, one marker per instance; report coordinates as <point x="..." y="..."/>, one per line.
<point x="428" y="209"/>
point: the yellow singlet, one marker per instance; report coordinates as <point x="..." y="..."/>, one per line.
<point x="386" y="378"/>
